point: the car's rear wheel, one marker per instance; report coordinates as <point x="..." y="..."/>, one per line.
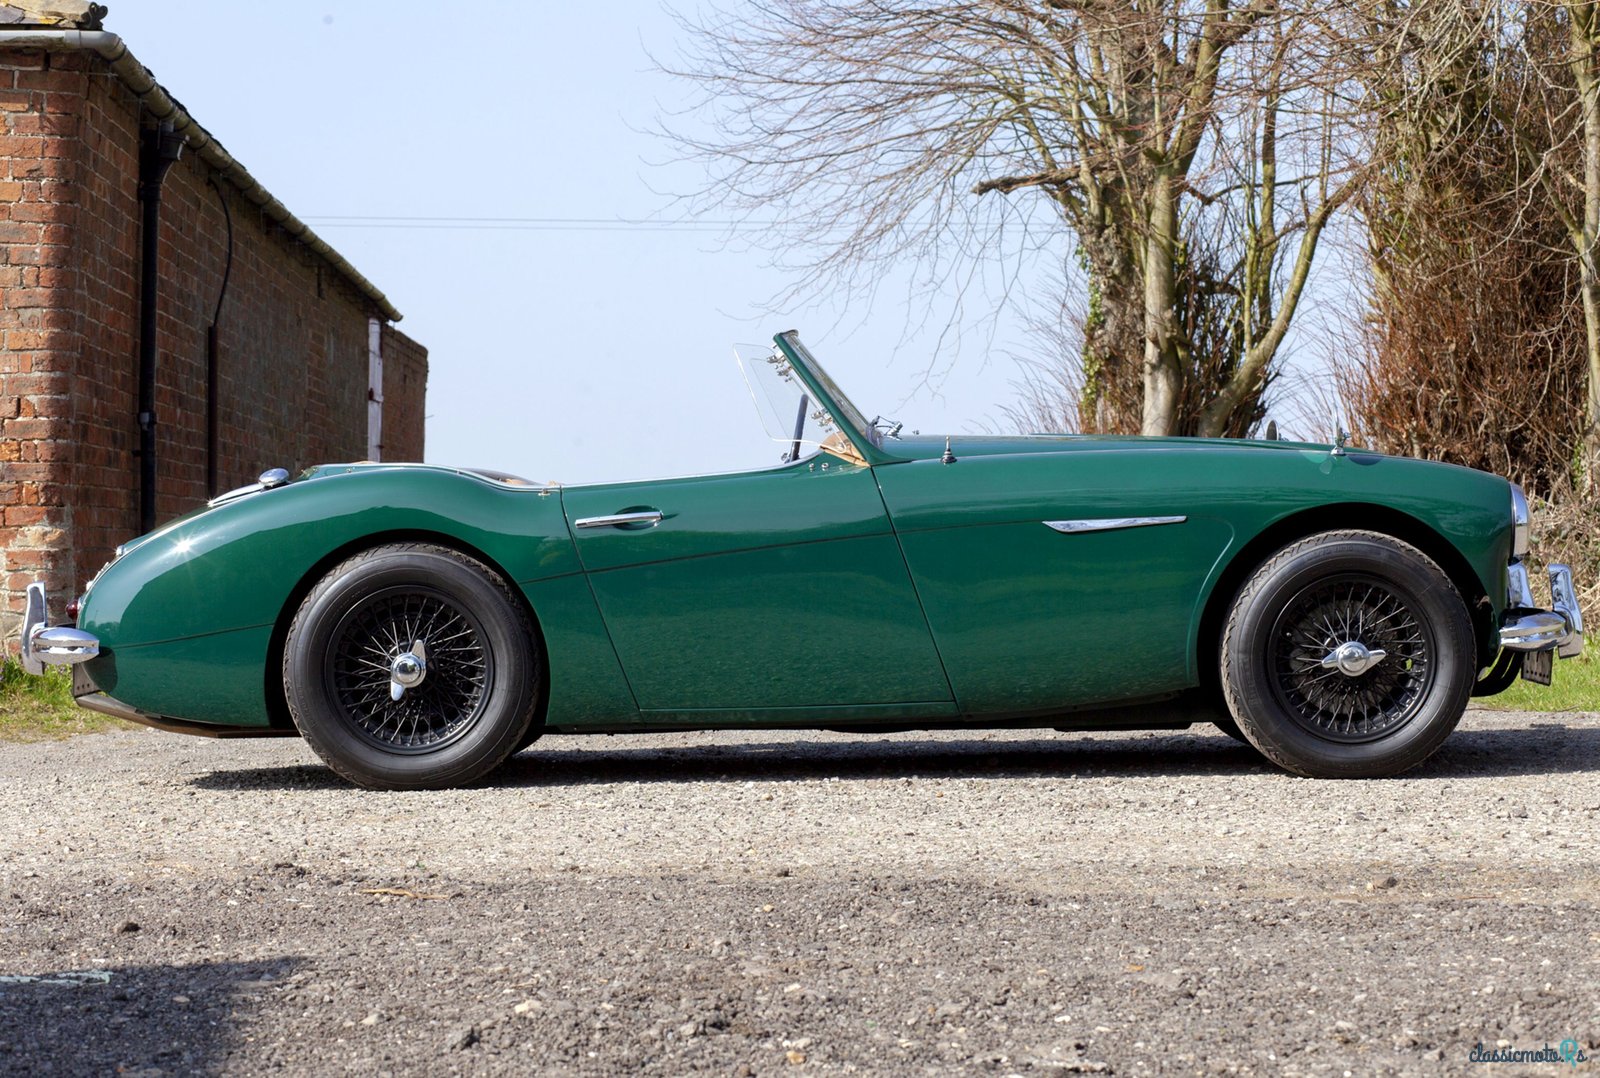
<point x="1348" y="654"/>
<point x="412" y="666"/>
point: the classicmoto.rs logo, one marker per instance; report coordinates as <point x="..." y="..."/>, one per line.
<point x="1568" y="1052"/>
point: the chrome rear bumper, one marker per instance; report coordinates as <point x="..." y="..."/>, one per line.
<point x="1525" y="627"/>
<point x="43" y="645"/>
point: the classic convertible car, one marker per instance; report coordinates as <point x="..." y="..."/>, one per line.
<point x="418" y="625"/>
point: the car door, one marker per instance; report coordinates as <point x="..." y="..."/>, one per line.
<point x="1056" y="580"/>
<point x="759" y="596"/>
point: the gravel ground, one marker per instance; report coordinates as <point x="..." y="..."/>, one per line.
<point x="766" y="903"/>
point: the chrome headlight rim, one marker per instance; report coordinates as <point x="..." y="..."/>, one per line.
<point x="1520" y="519"/>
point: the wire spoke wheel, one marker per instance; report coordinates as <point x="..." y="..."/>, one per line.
<point x="374" y="635"/>
<point x="1351" y="659"/>
<point x="412" y="666"/>
<point x="1348" y="654"/>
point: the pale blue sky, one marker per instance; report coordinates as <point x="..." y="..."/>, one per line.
<point x="572" y="355"/>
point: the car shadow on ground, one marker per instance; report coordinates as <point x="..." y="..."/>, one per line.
<point x="558" y="760"/>
<point x="131" y="1019"/>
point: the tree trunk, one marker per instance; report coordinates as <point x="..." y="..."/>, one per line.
<point x="1163" y="375"/>
<point x="1582" y="25"/>
<point x="1113" y="335"/>
<point x="1589" y="285"/>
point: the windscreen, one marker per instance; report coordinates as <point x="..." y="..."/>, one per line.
<point x="848" y="411"/>
<point x="797" y="422"/>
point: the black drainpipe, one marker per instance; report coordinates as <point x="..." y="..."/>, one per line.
<point x="161" y="148"/>
<point x="212" y="350"/>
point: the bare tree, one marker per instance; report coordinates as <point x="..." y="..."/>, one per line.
<point x="877" y="128"/>
<point x="1211" y="321"/>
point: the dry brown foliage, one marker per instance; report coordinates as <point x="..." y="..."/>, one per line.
<point x="1482" y="368"/>
<point x="1566" y="530"/>
<point x="1475" y="350"/>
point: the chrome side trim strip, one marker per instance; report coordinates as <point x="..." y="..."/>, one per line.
<point x="652" y="516"/>
<point x="1106" y="524"/>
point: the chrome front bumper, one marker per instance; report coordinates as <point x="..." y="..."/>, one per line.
<point x="45" y="646"/>
<point x="1525" y="627"/>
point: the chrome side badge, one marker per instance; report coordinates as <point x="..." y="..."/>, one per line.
<point x="1106" y="524"/>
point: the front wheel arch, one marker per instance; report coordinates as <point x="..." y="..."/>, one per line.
<point x="278" y="704"/>
<point x="1345" y="516"/>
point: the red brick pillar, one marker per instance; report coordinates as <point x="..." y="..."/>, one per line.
<point x="41" y="98"/>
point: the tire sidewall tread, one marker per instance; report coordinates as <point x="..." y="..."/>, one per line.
<point x="508" y="719"/>
<point x="1261" y="717"/>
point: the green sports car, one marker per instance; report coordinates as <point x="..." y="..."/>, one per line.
<point x="418" y="625"/>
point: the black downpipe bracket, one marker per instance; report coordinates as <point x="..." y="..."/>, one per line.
<point x="212" y="352"/>
<point x="160" y="149"/>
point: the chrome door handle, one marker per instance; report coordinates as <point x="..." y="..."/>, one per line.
<point x="649" y="516"/>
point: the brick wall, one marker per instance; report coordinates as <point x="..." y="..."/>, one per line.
<point x="40" y="280"/>
<point x="405" y="385"/>
<point x="293" y="333"/>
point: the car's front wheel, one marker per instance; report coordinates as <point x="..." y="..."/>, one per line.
<point x="1348" y="654"/>
<point x="412" y="666"/>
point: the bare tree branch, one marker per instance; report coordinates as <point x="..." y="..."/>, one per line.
<point x="883" y="132"/>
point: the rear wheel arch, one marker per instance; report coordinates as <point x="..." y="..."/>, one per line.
<point x="278" y="704"/>
<point x="1346" y="516"/>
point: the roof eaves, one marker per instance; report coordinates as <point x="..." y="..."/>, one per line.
<point x="137" y="78"/>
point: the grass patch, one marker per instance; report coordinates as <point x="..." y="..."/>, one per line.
<point x="1575" y="686"/>
<point x="42" y="709"/>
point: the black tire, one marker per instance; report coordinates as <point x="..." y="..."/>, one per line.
<point x="1373" y="717"/>
<point x="479" y="691"/>
<point x="1231" y="728"/>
